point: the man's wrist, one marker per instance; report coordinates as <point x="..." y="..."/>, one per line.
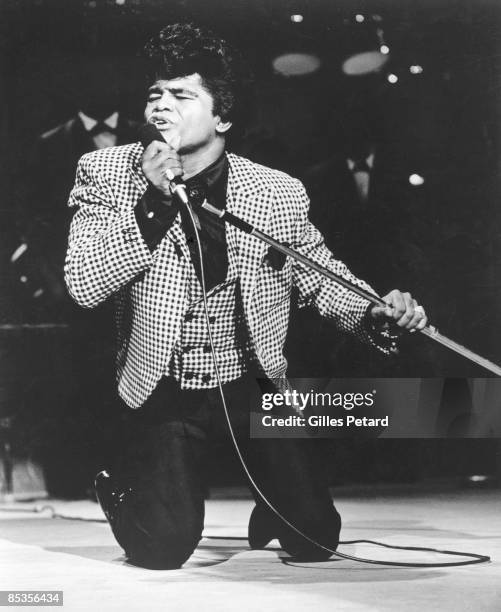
<point x="155" y="213"/>
<point x="382" y="332"/>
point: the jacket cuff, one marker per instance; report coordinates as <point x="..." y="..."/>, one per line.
<point x="155" y="213"/>
<point x="382" y="334"/>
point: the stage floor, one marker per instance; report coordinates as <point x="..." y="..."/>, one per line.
<point x="39" y="552"/>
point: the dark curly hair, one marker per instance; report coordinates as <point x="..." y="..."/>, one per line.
<point x="182" y="49"/>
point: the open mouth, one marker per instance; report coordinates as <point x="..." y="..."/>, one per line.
<point x="161" y="123"/>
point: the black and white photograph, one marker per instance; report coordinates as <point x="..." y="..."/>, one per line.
<point x="250" y="282"/>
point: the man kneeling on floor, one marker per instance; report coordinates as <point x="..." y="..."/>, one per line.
<point x="132" y="241"/>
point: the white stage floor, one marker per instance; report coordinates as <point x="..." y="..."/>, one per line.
<point x="38" y="552"/>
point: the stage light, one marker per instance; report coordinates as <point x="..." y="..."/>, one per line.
<point x="416" y="180"/>
<point x="23" y="279"/>
<point x="120" y="2"/>
<point x="415" y="69"/>
<point x="21" y="249"/>
<point x="296" y="64"/>
<point x="478" y="478"/>
<point x="365" y="49"/>
<point x="297" y="18"/>
<point x="392" y="78"/>
<point x="364" y="63"/>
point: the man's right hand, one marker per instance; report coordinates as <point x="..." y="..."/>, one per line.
<point x="161" y="164"/>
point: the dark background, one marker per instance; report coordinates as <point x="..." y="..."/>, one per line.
<point x="440" y="240"/>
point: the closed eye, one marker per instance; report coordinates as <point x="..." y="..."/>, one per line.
<point x="179" y="96"/>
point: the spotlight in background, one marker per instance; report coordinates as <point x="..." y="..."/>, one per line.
<point x="416" y="180"/>
<point x="21" y="249"/>
<point x="297" y="18"/>
<point x="476" y="478"/>
<point x="296" y="64"/>
<point x="364" y="63"/>
<point x="392" y="78"/>
<point x="415" y="69"/>
<point x="367" y="50"/>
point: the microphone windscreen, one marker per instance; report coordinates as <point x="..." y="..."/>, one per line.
<point x="148" y="133"/>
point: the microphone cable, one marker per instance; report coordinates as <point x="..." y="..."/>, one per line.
<point x="473" y="558"/>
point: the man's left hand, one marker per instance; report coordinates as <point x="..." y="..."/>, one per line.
<point x="402" y="309"/>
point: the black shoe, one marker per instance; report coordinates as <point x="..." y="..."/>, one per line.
<point x="262" y="527"/>
<point x="107" y="496"/>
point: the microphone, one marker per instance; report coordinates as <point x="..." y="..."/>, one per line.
<point x="147" y="134"/>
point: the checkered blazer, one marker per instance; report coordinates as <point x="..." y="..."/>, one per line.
<point x="107" y="256"/>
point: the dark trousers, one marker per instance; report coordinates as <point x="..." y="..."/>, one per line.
<point x="160" y="477"/>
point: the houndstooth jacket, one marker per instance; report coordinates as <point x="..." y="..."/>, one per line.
<point x="107" y="256"/>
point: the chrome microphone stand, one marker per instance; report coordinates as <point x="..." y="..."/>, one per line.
<point x="430" y="331"/>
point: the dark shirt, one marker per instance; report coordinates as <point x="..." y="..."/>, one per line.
<point x="156" y="212"/>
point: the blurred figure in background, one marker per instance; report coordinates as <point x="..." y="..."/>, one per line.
<point x="58" y="399"/>
<point x="362" y="202"/>
<point x="96" y="124"/>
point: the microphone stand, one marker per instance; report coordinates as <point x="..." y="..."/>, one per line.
<point x="430" y="331"/>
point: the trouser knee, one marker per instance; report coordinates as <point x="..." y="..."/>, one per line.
<point x="162" y="551"/>
<point x="153" y="538"/>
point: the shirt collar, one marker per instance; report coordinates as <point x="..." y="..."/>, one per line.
<point x="90" y="122"/>
<point x="210" y="177"/>
<point x="369" y="159"/>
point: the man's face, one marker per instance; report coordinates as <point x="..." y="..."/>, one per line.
<point x="182" y="110"/>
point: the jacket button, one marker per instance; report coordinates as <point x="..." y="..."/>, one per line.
<point x="212" y="319"/>
<point x="206" y="378"/>
<point x="207" y="348"/>
<point x="189" y="375"/>
<point x="189" y="317"/>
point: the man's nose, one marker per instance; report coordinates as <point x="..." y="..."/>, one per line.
<point x="165" y="102"/>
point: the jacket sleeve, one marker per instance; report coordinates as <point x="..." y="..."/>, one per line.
<point x="106" y="249"/>
<point x="345" y="308"/>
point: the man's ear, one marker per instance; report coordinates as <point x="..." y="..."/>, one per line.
<point x="223" y="126"/>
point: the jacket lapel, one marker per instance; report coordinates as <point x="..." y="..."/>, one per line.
<point x="251" y="199"/>
<point x="248" y="197"/>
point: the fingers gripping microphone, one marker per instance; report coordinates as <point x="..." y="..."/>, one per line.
<point x="147" y="134"/>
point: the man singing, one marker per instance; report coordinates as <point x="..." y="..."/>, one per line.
<point x="131" y="240"/>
